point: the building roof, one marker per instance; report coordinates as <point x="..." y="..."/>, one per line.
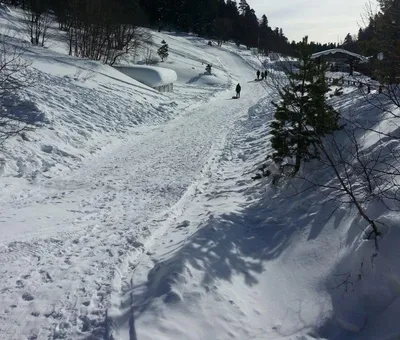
<point x="340" y="51"/>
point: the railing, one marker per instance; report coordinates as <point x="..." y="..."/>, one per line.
<point x="165" y="88"/>
<point x="357" y="83"/>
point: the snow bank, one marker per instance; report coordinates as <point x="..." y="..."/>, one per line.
<point x="150" y="75"/>
<point x="84" y="106"/>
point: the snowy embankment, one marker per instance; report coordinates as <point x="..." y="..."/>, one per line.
<point x="83" y="107"/>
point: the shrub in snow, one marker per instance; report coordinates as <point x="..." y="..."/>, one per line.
<point x="163" y="52"/>
<point x="150" y="58"/>
<point x="152" y="61"/>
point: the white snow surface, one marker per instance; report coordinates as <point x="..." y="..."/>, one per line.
<point x="152" y="76"/>
<point x="131" y="215"/>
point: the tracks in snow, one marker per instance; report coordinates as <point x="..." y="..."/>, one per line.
<point x="59" y="285"/>
<point x="82" y="232"/>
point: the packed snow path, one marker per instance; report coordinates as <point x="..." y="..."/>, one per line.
<point x="70" y="235"/>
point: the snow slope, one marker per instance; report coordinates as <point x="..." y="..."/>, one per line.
<point x="132" y="215"/>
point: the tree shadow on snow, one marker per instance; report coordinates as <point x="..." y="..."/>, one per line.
<point x="197" y="78"/>
<point x="238" y="244"/>
<point x="20" y="110"/>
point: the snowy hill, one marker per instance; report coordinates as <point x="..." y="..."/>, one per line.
<point x="86" y="106"/>
<point x="131" y="214"/>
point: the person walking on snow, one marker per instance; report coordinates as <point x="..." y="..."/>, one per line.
<point x="262" y="75"/>
<point x="238" y="89"/>
<point x="258" y="74"/>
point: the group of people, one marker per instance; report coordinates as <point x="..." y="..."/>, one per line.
<point x="262" y="74"/>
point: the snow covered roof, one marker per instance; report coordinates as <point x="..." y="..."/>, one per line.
<point x="149" y="75"/>
<point x="339" y="50"/>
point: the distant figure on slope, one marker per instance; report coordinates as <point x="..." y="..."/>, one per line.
<point x="265" y="74"/>
<point x="258" y="74"/>
<point x="262" y="75"/>
<point x="238" y="89"/>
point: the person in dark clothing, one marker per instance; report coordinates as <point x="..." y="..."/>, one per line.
<point x="265" y="74"/>
<point x="238" y="89"/>
<point x="262" y="75"/>
<point x="258" y="74"/>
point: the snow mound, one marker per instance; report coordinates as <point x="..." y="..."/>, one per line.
<point x="152" y="76"/>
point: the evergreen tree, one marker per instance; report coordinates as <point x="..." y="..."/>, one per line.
<point x="348" y="40"/>
<point x="243" y="7"/>
<point x="221" y="19"/>
<point x="302" y="117"/>
<point x="264" y="21"/>
<point x="163" y="52"/>
<point x="386" y="40"/>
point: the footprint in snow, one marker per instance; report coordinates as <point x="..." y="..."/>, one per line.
<point x="184" y="224"/>
<point x="46" y="276"/>
<point x="27" y="297"/>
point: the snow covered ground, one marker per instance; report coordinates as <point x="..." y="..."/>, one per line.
<point x="130" y="214"/>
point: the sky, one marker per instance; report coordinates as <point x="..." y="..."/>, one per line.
<point x="321" y="20"/>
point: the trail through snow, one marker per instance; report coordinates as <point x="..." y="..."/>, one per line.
<point x="74" y="236"/>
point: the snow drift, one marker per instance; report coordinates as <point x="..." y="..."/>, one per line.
<point x="150" y="75"/>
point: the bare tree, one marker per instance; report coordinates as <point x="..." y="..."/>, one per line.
<point x="38" y="20"/>
<point x="107" y="38"/>
<point x="124" y="41"/>
<point x="358" y="175"/>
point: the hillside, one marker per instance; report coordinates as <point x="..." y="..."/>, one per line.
<point x="132" y="214"/>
